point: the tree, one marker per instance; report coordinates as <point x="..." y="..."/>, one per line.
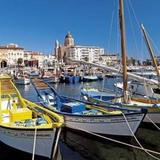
<point x="139" y="62"/>
<point x="148" y="62"/>
<point x="19" y="61"/>
<point x="133" y="61"/>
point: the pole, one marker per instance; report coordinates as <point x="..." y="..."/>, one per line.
<point x="150" y="49"/>
<point x="123" y="50"/>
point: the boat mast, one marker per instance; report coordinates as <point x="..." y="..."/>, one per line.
<point x="150" y="51"/>
<point x="123" y="50"/>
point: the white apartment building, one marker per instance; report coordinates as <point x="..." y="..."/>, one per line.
<point x="86" y="53"/>
<point x="109" y="59"/>
<point x="77" y="52"/>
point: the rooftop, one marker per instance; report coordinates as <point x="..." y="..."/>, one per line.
<point x="85" y="46"/>
<point x="11" y="46"/>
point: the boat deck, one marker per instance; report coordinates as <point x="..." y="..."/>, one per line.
<point x="6" y="86"/>
<point x="39" y="84"/>
<point x="14" y="112"/>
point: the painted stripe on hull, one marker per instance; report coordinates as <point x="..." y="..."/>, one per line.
<point x="105" y="125"/>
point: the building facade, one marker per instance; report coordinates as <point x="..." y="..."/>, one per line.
<point x="10" y="54"/>
<point x="85" y="53"/>
<point x="109" y="59"/>
<point x="37" y="59"/>
<point x="77" y="52"/>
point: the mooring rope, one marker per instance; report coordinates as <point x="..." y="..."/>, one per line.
<point x="56" y="144"/>
<point x="117" y="141"/>
<point x="152" y="122"/>
<point x="138" y="140"/>
<point x="34" y="143"/>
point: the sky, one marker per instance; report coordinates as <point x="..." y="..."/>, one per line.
<point x="36" y="24"/>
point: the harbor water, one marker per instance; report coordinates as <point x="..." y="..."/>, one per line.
<point x="82" y="146"/>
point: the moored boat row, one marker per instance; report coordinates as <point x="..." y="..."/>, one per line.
<point x="85" y="116"/>
<point x="98" y="97"/>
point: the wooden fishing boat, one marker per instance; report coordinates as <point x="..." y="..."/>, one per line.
<point x="25" y="125"/>
<point x="34" y="73"/>
<point x="81" y="115"/>
<point x="127" y="100"/>
<point x="141" y="89"/>
<point x="90" y="78"/>
<point x="22" y="78"/>
<point x="135" y="103"/>
<point x="96" y="93"/>
<point x="146" y="94"/>
<point x="49" y="77"/>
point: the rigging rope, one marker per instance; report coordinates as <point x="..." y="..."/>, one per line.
<point x="132" y="28"/>
<point x="137" y="21"/>
<point x="110" y="30"/>
<point x="138" y="24"/>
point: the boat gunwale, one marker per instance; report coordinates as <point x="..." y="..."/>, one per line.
<point x="27" y="128"/>
<point x="78" y="115"/>
<point x="127" y="105"/>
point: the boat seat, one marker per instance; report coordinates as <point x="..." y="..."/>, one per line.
<point x="19" y="114"/>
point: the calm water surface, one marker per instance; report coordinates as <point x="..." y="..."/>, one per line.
<point x="75" y="145"/>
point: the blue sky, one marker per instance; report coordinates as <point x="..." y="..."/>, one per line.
<point x="36" y="24"/>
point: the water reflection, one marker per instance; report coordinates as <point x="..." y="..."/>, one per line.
<point x="99" y="149"/>
<point x="8" y="153"/>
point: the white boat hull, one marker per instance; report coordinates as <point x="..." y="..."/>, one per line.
<point x="155" y="117"/>
<point x="24" y="139"/>
<point x="22" y="81"/>
<point x="90" y="78"/>
<point x="108" y="125"/>
<point x="51" y="80"/>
